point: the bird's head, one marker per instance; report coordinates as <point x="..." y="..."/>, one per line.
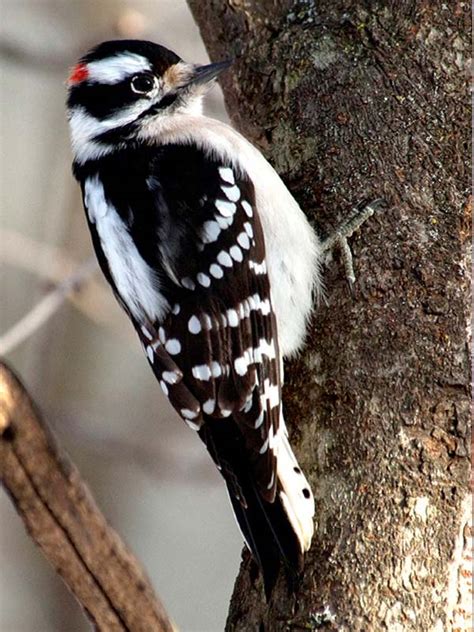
<point x="119" y="86"/>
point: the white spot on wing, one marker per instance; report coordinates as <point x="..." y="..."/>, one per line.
<point x="150" y="354"/>
<point x="248" y="229"/>
<point x="170" y="376"/>
<point x="265" y="307"/>
<point x="216" y="271"/>
<point x="202" y="372"/>
<point x="259" y="420"/>
<point x="264" y="348"/>
<point x="248" y="405"/>
<point x="194" y="325"/>
<point x="216" y="369"/>
<point x="227" y="209"/>
<point x="227" y="174"/>
<point x="240" y="366"/>
<point x="271" y="395"/>
<point x="231" y="193"/>
<point x="258" y="268"/>
<point x="224" y="259"/>
<point x="257" y="304"/>
<point x="188" y="414"/>
<point x="173" y="346"/>
<point x="224" y="222"/>
<point x="232" y="318"/>
<point x="247" y="208"/>
<point x="243" y="240"/>
<point x="203" y="279"/>
<point x="210" y="231"/>
<point x="188" y="283"/>
<point x="272" y="479"/>
<point x="236" y="253"/>
<point x="264" y="447"/>
<point x="146" y="333"/>
<point x="209" y="406"/>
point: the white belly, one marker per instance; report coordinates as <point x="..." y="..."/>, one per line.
<point x="293" y="252"/>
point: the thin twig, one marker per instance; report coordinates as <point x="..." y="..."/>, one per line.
<point x="53" y="264"/>
<point x="34" y="59"/>
<point x="46" y="307"/>
<point x="36" y="257"/>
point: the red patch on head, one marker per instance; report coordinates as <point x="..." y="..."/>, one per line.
<point x="79" y="73"/>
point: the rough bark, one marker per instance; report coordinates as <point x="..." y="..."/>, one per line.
<point x="63" y="520"/>
<point x="356" y="100"/>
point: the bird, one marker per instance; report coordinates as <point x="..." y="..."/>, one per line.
<point x="215" y="264"/>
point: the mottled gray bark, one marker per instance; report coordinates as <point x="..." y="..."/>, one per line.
<point x="356" y="100"/>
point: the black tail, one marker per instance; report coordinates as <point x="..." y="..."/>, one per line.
<point x="264" y="525"/>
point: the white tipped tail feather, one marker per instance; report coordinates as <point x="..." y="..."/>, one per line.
<point x="295" y="493"/>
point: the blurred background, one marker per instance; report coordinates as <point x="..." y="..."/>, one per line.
<point x="149" y="473"/>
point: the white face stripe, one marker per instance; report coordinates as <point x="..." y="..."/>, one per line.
<point x="84" y="128"/>
<point x="115" y="69"/>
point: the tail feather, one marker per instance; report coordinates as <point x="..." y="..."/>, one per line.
<point x="275" y="532"/>
<point x="268" y="535"/>
<point x="295" y="492"/>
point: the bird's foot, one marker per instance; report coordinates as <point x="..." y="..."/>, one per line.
<point x="339" y="237"/>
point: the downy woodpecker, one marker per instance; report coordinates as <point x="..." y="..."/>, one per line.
<point x="215" y="264"/>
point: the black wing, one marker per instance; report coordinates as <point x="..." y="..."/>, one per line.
<point x="216" y="354"/>
<point x="194" y="220"/>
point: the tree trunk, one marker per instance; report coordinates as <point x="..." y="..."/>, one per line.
<point x="349" y="101"/>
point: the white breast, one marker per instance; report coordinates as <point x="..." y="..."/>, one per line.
<point x="292" y="247"/>
<point x="135" y="280"/>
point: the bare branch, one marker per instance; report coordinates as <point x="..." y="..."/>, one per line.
<point x="62" y="518"/>
<point x="48" y="305"/>
<point x="54" y="265"/>
<point x="25" y="56"/>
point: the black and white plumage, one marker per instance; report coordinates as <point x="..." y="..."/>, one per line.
<point x="213" y="261"/>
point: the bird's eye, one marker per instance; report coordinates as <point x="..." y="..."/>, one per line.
<point x="141" y="84"/>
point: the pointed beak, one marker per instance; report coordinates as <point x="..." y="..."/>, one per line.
<point x="205" y="74"/>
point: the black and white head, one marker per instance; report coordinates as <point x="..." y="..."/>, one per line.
<point x="118" y="87"/>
